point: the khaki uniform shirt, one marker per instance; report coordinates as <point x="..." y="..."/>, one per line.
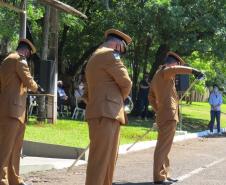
<point x="162" y="93"/>
<point x="108" y="84"/>
<point x="15" y="79"/>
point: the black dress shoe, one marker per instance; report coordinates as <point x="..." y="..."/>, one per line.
<point x="166" y="182"/>
<point x="171" y="179"/>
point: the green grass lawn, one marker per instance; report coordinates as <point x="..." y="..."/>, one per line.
<point x="196" y="117"/>
<point x="75" y="133"/>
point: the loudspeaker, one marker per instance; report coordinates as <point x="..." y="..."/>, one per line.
<point x="47" y="75"/>
<point x="182" y="82"/>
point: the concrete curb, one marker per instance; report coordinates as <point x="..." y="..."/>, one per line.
<point x="148" y="144"/>
<point x="38" y="149"/>
<point x="34" y="164"/>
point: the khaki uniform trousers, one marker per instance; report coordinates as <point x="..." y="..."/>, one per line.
<point x="11" y="141"/>
<point x="104" y="142"/>
<point x="166" y="132"/>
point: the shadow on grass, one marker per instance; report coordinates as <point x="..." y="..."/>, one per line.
<point x="136" y="183"/>
<point x="189" y="124"/>
<point x="194" y="124"/>
<point x="136" y="122"/>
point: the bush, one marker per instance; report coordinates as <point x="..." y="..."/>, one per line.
<point x="224" y="98"/>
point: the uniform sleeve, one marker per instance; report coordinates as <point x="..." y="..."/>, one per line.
<point x="152" y="99"/>
<point x="221" y="99"/>
<point x="120" y="74"/>
<point x="170" y="72"/>
<point x="25" y="75"/>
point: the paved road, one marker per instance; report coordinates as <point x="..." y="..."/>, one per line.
<point x="199" y="161"/>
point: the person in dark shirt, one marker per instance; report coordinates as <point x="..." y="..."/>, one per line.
<point x="143" y="97"/>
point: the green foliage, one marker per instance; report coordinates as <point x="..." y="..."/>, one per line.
<point x="196" y="29"/>
<point x="10" y="26"/>
<point x="224" y="99"/>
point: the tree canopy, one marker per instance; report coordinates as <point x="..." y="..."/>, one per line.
<point x="196" y="29"/>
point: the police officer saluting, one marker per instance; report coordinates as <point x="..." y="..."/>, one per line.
<point x="164" y="101"/>
<point x="15" y="80"/>
<point x="108" y="85"/>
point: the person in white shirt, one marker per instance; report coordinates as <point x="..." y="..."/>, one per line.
<point x="215" y="101"/>
<point x="79" y="91"/>
<point x="61" y="96"/>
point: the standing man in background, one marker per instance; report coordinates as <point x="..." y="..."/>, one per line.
<point x="107" y="86"/>
<point x="143" y="97"/>
<point x="15" y="80"/>
<point x="215" y="102"/>
<point x="164" y="101"/>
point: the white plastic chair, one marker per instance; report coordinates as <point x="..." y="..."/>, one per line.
<point x="33" y="103"/>
<point x="78" y="111"/>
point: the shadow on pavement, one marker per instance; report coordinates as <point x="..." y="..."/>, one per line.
<point x="216" y="136"/>
<point x="136" y="183"/>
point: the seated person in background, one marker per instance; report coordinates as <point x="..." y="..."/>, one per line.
<point x="79" y="91"/>
<point x="61" y="96"/>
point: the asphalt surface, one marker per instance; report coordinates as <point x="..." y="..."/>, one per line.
<point x="199" y="161"/>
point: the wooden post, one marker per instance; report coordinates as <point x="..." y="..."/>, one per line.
<point x="53" y="53"/>
<point x="46" y="33"/>
<point x="23" y="19"/>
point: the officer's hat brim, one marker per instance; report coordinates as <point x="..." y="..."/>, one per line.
<point x="29" y="43"/>
<point x="170" y="53"/>
<point x="119" y="34"/>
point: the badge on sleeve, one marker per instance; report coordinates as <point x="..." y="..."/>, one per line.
<point x="116" y="55"/>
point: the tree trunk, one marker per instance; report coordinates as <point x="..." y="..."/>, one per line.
<point x="159" y="58"/>
<point x="61" y="47"/>
<point x="45" y="34"/>
<point x="53" y="55"/>
<point x="4" y="46"/>
<point x="146" y="52"/>
<point x="106" y="4"/>
<point x="77" y="67"/>
<point x="136" y="70"/>
<point x="41" y="99"/>
<point x="23" y="20"/>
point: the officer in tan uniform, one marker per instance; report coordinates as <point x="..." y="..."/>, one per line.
<point x="15" y="80"/>
<point x="164" y="101"/>
<point x="107" y="86"/>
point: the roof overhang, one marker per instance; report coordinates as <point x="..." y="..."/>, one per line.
<point x="11" y="7"/>
<point x="54" y="3"/>
<point x="63" y="7"/>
